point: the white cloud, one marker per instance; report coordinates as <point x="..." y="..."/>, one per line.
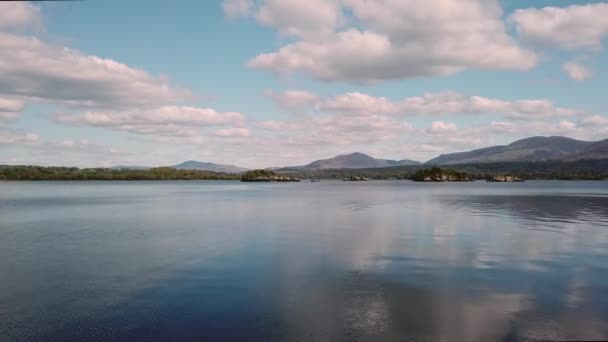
<point x="292" y="99"/>
<point x="573" y="27"/>
<point x="347" y="123"/>
<point x="357" y="103"/>
<point x="310" y="18"/>
<point x="34" y="70"/>
<point x="163" y="121"/>
<point x="179" y="115"/>
<point x="577" y="71"/>
<point x="10" y="136"/>
<point x="29" y="148"/>
<point x="518" y="130"/>
<point x="538" y="109"/>
<point x="445" y="103"/>
<point x="94" y="91"/>
<point x="275" y="125"/>
<point x="567" y="125"/>
<point x="237" y="8"/>
<point x="442" y="127"/>
<point x="594" y="120"/>
<point x="233" y="132"/>
<point x="10" y="108"/>
<point x="402" y="38"/>
<point x="18" y="14"/>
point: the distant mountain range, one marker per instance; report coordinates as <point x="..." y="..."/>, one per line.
<point x="196" y="165"/>
<point x="353" y="161"/>
<point x="532" y="149"/>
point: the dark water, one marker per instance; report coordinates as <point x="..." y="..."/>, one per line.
<point x="329" y="261"/>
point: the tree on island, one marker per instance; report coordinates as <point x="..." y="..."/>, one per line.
<point x="440" y="175"/>
<point x="266" y="176"/>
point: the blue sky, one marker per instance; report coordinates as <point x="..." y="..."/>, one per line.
<point x="284" y="82"/>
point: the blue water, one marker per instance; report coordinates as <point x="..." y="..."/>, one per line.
<point x="329" y="261"/>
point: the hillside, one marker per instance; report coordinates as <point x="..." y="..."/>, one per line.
<point x="353" y="161"/>
<point x="532" y="149"/>
<point x="202" y="166"/>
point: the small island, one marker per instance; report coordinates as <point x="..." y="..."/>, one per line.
<point x="355" y="179"/>
<point x="504" y="179"/>
<point x="440" y="175"/>
<point x="266" y="176"/>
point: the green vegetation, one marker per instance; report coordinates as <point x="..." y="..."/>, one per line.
<point x="579" y="170"/>
<point x="73" y="173"/>
<point x="436" y="174"/>
<point x="253" y="174"/>
<point x="266" y="176"/>
<point x="552" y="170"/>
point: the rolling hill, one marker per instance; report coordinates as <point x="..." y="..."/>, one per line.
<point x="353" y="161"/>
<point x="530" y="149"/>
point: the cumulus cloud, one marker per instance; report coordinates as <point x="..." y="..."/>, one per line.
<point x="311" y="18"/>
<point x="402" y="38"/>
<point x="357" y="103"/>
<point x="594" y="120"/>
<point x="190" y="116"/>
<point x="577" y="71"/>
<point x="10" y="108"/>
<point x="292" y="99"/>
<point x="573" y="27"/>
<point x="19" y="14"/>
<point x="10" y="136"/>
<point x="442" y="127"/>
<point x="167" y="120"/>
<point x="454" y="139"/>
<point x="35" y="70"/>
<point x="567" y="125"/>
<point x="92" y="90"/>
<point x="362" y="122"/>
<point x="57" y="152"/>
<point x="233" y="132"/>
<point x="275" y="125"/>
<point x="443" y="103"/>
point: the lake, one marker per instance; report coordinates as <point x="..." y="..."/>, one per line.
<point x="328" y="261"/>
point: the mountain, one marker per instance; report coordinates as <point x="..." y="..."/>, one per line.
<point x="529" y="149"/>
<point x="354" y="161"/>
<point x="196" y="165"/>
<point x="597" y="150"/>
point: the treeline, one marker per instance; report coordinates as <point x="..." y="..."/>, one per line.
<point x="266" y="176"/>
<point x="73" y="173"/>
<point x="551" y="170"/>
<point x="579" y="170"/>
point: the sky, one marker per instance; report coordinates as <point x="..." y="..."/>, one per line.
<point x="267" y="83"/>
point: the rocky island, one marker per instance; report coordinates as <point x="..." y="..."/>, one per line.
<point x="440" y="175"/>
<point x="355" y="179"/>
<point x="504" y="179"/>
<point x="266" y="176"/>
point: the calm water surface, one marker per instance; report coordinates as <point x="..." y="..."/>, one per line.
<point x="330" y="261"/>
